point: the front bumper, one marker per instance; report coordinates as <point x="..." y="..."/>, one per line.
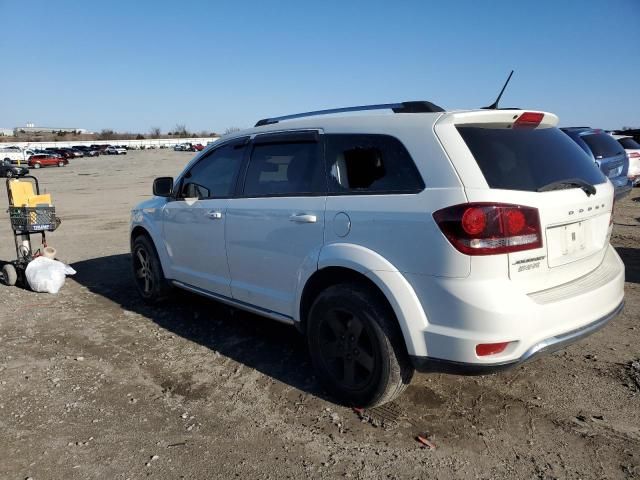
<point x="548" y="345"/>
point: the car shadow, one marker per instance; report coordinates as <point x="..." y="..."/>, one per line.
<point x="631" y="258"/>
<point x="272" y="348"/>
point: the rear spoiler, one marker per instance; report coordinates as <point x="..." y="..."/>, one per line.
<point x="501" y="118"/>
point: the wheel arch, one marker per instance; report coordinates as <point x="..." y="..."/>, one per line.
<point x="138" y="230"/>
<point x="367" y="267"/>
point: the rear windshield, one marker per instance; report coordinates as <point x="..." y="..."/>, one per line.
<point x="629" y="143"/>
<point x="528" y="159"/>
<point x="602" y="145"/>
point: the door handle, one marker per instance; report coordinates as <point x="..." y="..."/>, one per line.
<point x="303" y="218"/>
<point x="214" y="215"/>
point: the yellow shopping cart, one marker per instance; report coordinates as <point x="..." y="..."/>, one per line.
<point x="30" y="213"/>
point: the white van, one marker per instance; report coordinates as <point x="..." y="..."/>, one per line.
<point x="15" y="155"/>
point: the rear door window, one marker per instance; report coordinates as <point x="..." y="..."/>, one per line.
<point x="368" y="163"/>
<point x="528" y="159"/>
<point x="602" y="145"/>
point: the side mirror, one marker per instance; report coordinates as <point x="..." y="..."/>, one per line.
<point x="163" y="186"/>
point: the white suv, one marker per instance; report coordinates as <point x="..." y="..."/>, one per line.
<point x="462" y="242"/>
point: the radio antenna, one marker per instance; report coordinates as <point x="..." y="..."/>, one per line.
<point x="494" y="105"/>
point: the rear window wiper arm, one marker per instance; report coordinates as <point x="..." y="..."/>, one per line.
<point x="569" y="183"/>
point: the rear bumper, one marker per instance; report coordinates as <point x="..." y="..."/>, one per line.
<point x="548" y="345"/>
<point x="462" y="314"/>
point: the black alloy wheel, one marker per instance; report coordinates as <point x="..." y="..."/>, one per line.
<point x="349" y="355"/>
<point x="356" y="345"/>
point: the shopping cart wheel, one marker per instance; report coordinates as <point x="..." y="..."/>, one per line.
<point x="9" y="274"/>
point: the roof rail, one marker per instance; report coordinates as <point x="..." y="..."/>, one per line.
<point x="400" y="107"/>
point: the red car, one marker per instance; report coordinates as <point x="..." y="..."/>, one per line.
<point x="198" y="147"/>
<point x="43" y="160"/>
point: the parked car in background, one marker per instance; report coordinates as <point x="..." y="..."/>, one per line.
<point x="198" y="147"/>
<point x="46" y="152"/>
<point x="462" y="242"/>
<point x="182" y="147"/>
<point x="100" y="148"/>
<point x="87" y="150"/>
<point x="117" y="150"/>
<point x="632" y="147"/>
<point x="15" y="155"/>
<point x="61" y="152"/>
<point x="9" y="170"/>
<point x="43" y="160"/>
<point x="608" y="154"/>
<point x="76" y="152"/>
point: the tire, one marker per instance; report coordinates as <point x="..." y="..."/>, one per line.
<point x="61" y="164"/>
<point x="9" y="275"/>
<point x="7" y="159"/>
<point x="36" y="165"/>
<point x="147" y="271"/>
<point x="356" y="346"/>
<point x="8" y="173"/>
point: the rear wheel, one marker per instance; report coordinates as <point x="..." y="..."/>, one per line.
<point x="356" y="346"/>
<point x="147" y="271"/>
<point x="9" y="275"/>
<point x="8" y="173"/>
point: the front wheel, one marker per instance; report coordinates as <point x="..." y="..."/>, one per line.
<point x="37" y="165"/>
<point x="61" y="164"/>
<point x="356" y="346"/>
<point x="8" y="173"/>
<point x="147" y="271"/>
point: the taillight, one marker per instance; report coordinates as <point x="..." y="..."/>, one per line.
<point x="634" y="154"/>
<point x="490" y="228"/>
<point x="528" y="120"/>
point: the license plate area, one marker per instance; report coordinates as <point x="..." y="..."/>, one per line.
<point x="568" y="243"/>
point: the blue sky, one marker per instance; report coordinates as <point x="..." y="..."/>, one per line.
<point x="131" y="65"/>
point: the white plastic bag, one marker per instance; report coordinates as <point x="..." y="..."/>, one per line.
<point x="47" y="275"/>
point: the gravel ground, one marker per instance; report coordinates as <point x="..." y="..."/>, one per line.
<point x="94" y="384"/>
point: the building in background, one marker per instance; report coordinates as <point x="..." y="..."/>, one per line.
<point x="6" y="132"/>
<point x="31" y="128"/>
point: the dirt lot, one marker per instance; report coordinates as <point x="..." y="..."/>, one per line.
<point x="94" y="384"/>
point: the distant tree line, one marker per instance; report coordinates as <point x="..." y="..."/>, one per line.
<point x="179" y="131"/>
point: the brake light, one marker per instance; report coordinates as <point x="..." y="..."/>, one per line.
<point x="634" y="154"/>
<point x="528" y="120"/>
<point x="484" y="349"/>
<point x="490" y="228"/>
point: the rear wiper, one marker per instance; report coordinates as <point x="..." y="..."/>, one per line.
<point x="569" y="183"/>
